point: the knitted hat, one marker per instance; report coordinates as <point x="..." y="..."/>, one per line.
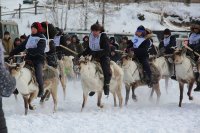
<point x="37" y="25"/>
<point x="140" y="29"/>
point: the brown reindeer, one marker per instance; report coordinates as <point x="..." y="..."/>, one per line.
<point x="184" y="73"/>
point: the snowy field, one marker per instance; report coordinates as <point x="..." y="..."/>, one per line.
<point x="143" y="116"/>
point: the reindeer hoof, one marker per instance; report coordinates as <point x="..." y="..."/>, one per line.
<point x="26" y="111"/>
<point x="32" y="107"/>
<point x="179" y="105"/>
<point x="100" y="106"/>
<point x="191" y="98"/>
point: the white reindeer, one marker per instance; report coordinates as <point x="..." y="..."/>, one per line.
<point x="29" y="88"/>
<point x="132" y="79"/>
<point x="92" y="80"/>
<point x="162" y="64"/>
<point x="65" y="67"/>
<point x="184" y="73"/>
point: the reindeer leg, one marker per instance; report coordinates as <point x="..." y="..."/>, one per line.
<point x="115" y="101"/>
<point x="190" y="90"/>
<point x="151" y="95"/>
<point x="134" y="97"/>
<point x="119" y="95"/>
<point x="127" y="94"/>
<point x="63" y="82"/>
<point x="166" y="84"/>
<point x="26" y="104"/>
<point x="32" y="96"/>
<point x="55" y="99"/>
<point x="156" y="87"/>
<point x="181" y="85"/>
<point x="99" y="100"/>
<point x="84" y="101"/>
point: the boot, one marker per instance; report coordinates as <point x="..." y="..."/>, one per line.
<point x="149" y="81"/>
<point x="106" y="89"/>
<point x="198" y="87"/>
<point x="16" y="92"/>
<point x="91" y="93"/>
<point x="173" y="77"/>
<point x="40" y="93"/>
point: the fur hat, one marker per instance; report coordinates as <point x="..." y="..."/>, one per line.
<point x="38" y="26"/>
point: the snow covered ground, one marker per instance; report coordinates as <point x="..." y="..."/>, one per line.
<point x="138" y="117"/>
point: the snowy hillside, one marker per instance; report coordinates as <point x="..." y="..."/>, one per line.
<point x="138" y="117"/>
<point x="124" y="20"/>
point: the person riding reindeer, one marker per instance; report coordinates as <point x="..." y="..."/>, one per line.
<point x="51" y="56"/>
<point x="100" y="50"/>
<point x="140" y="48"/>
<point x="166" y="48"/>
<point x="194" y="44"/>
<point x="35" y="45"/>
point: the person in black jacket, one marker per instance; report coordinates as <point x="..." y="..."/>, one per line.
<point x="99" y="48"/>
<point x="194" y="43"/>
<point x="51" y="56"/>
<point x="167" y="44"/>
<point x="113" y="43"/>
<point x="35" y="45"/>
<point x="140" y="48"/>
<point x="166" y="47"/>
<point x="85" y="43"/>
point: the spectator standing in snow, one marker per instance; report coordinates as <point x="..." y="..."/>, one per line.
<point x="7" y="43"/>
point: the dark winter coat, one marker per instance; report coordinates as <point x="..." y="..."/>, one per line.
<point x="7" y="86"/>
<point x="51" y="56"/>
<point x="33" y="54"/>
<point x="168" y="49"/>
<point x="85" y="44"/>
<point x="104" y="45"/>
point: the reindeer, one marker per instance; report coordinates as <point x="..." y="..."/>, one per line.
<point x="29" y="88"/>
<point x="184" y="73"/>
<point x="92" y="80"/>
<point x="162" y="64"/>
<point x="65" y="67"/>
<point x="132" y="79"/>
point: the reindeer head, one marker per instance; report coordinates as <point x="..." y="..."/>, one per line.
<point x="82" y="63"/>
<point x="179" y="56"/>
<point x="15" y="68"/>
<point x="125" y="59"/>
